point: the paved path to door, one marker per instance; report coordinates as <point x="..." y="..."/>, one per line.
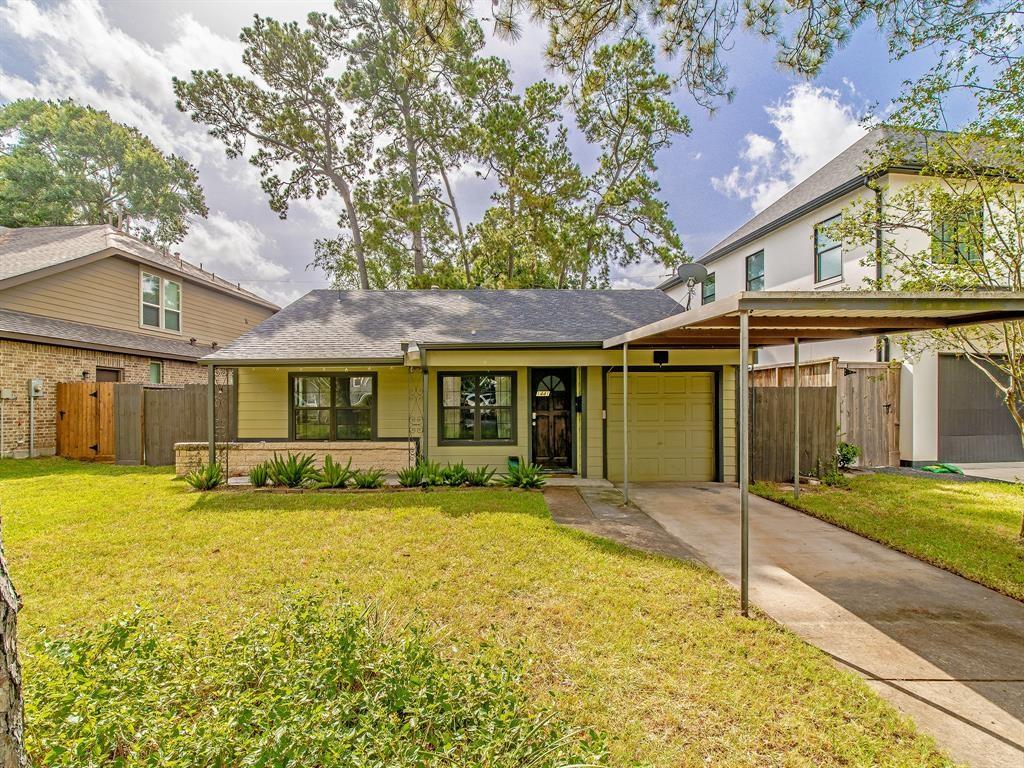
<point x="945" y="651"/>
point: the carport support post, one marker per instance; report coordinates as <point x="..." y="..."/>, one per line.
<point x="796" y="417"/>
<point x="625" y="421"/>
<point x="744" y="463"/>
<point x="211" y="410"/>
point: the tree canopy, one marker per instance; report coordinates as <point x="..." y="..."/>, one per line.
<point x="64" y="163"/>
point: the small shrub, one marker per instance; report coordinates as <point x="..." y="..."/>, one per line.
<point x="455" y="475"/>
<point x="259" y="475"/>
<point x="411" y="477"/>
<point x="293" y="471"/>
<point x="333" y="475"/>
<point x="303" y="685"/>
<point x="481" y="476"/>
<point x="524" y="476"/>
<point x="832" y="476"/>
<point x="370" y="478"/>
<point x="205" y="477"/>
<point x="846" y="454"/>
<point x="432" y="473"/>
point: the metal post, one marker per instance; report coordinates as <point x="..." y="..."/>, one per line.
<point x="426" y="405"/>
<point x="744" y="464"/>
<point x="211" y="410"/>
<point x="625" y="421"/>
<point x="796" y="417"/>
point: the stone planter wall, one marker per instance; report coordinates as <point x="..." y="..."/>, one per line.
<point x="389" y="455"/>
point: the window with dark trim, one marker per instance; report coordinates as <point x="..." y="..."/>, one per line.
<point x="707" y="290"/>
<point x="828" y="252"/>
<point x="476" y="407"/>
<point x="334" y="406"/>
<point x="755" y="271"/>
<point x="955" y="238"/>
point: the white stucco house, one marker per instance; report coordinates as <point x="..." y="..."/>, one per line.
<point x="948" y="411"/>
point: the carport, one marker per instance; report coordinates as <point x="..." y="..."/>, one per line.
<point x="773" y="318"/>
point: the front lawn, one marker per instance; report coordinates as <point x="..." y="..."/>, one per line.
<point x="647" y="650"/>
<point x="968" y="528"/>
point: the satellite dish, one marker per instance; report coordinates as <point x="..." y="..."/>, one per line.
<point x="692" y="273"/>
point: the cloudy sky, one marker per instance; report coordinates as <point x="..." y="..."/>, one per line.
<point x="120" y="56"/>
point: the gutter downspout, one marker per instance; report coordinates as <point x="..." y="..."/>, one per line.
<point x="425" y="448"/>
<point x="880" y="344"/>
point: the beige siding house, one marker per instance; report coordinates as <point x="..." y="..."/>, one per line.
<point x="479" y="377"/>
<point x="92" y="303"/>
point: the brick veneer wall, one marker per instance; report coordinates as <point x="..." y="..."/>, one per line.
<point x="22" y="361"/>
<point x="389" y="455"/>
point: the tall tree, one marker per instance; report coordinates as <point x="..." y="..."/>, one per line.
<point x="64" y="163"/>
<point x="624" y="109"/>
<point x="12" y="700"/>
<point x="296" y="112"/>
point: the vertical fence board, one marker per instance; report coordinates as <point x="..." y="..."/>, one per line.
<point x="771" y="449"/>
<point x="128" y="425"/>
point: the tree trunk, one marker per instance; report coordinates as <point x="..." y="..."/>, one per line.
<point x="353" y="225"/>
<point x="412" y="159"/>
<point x="12" y="705"/>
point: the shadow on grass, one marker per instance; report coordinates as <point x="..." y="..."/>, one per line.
<point x="24" y="469"/>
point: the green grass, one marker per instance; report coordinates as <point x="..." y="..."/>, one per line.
<point x="968" y="528"/>
<point x="649" y="650"/>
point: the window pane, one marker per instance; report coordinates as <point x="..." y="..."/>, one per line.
<point x="486" y="390"/>
<point x="503" y="390"/>
<point x="495" y="423"/>
<point x="312" y="391"/>
<point x="313" y="424"/>
<point x="355" y="391"/>
<point x="156" y="373"/>
<point x="452" y="387"/>
<point x="354" y="424"/>
<point x="150" y="316"/>
<point x="756" y="285"/>
<point x="755" y="265"/>
<point x="151" y="289"/>
<point x="830" y="264"/>
<point x="458" y="423"/>
<point x="172" y="320"/>
<point x="822" y="240"/>
<point x="172" y="295"/>
<point x="707" y="292"/>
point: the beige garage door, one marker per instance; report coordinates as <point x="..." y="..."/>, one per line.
<point x="671" y="426"/>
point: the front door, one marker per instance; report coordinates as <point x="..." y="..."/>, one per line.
<point x="552" y="398"/>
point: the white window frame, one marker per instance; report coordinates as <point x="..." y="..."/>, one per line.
<point x="161" y="309"/>
<point x="160" y="367"/>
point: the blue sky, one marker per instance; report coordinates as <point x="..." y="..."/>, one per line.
<point x="119" y="56"/>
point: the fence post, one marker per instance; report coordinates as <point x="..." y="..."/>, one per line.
<point x="211" y="410"/>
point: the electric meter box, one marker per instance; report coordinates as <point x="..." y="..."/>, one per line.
<point x="35" y="388"/>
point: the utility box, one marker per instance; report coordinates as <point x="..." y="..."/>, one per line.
<point x="35" y="388"/>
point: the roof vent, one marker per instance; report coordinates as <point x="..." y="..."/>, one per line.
<point x="192" y="341"/>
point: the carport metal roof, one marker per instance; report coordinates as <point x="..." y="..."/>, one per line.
<point x="776" y="317"/>
<point x="773" y="318"/>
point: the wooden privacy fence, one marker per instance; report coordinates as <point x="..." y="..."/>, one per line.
<point x="771" y="431"/>
<point x="867" y="406"/>
<point x="134" y="423"/>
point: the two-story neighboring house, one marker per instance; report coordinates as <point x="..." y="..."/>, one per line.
<point x="93" y="303"/>
<point x="948" y="410"/>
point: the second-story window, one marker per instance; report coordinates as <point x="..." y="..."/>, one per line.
<point x="707" y="289"/>
<point x="955" y="237"/>
<point x="161" y="303"/>
<point x="755" y="271"/>
<point x="828" y="252"/>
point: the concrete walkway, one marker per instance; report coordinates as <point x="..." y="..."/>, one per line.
<point x="1007" y="471"/>
<point x="944" y="650"/>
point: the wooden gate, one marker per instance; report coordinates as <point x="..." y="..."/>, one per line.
<point x="868" y="402"/>
<point x="85" y="420"/>
<point x="771" y="431"/>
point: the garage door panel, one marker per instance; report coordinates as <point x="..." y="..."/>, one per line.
<point x="672" y="420"/>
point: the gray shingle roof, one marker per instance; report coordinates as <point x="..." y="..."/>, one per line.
<point x="27" y="249"/>
<point x="365" y="325"/>
<point x="24" y="326"/>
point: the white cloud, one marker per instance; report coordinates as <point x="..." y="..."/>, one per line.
<point x="642" y="275"/>
<point x="813" y="125"/>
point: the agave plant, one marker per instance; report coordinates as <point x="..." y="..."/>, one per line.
<point x="205" y="477"/>
<point x="521" y="475"/>
<point x="455" y="474"/>
<point x="294" y="471"/>
<point x="370" y="478"/>
<point x="432" y="473"/>
<point x="481" y="476"/>
<point x="259" y="475"/>
<point x="333" y="475"/>
<point x="411" y="477"/>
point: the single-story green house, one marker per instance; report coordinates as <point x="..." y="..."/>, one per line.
<point x="480" y="376"/>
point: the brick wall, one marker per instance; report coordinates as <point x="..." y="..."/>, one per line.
<point x="389" y="455"/>
<point x="22" y="361"/>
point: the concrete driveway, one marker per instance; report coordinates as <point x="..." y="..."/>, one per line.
<point x="944" y="650"/>
<point x="1008" y="471"/>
